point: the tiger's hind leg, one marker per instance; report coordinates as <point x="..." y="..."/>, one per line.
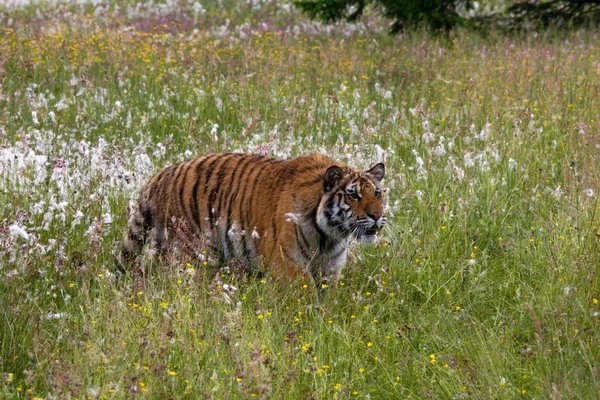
<point x="138" y="228"/>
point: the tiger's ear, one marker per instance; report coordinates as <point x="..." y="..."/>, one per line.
<point x="377" y="172"/>
<point x="333" y="176"/>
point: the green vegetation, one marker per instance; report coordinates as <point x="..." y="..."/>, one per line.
<point x="485" y="287"/>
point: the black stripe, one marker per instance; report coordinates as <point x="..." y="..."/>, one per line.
<point x="215" y="190"/>
<point x="301" y="238"/>
<point x="195" y="208"/>
<point x="233" y="192"/>
<point x="173" y="201"/>
<point x="210" y="170"/>
<point x="243" y="210"/>
<point x="314" y="181"/>
<point x="330" y="202"/>
<point x="304" y="248"/>
<point x="194" y="203"/>
<point x="275" y="215"/>
<point x="339" y="253"/>
<point x="258" y="176"/>
<point x="310" y="168"/>
<point x="225" y="191"/>
<point x="180" y="203"/>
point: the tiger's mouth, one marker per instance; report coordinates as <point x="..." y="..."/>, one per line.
<point x="371" y="231"/>
<point x="368" y="235"/>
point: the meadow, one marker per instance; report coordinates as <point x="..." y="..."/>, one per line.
<point x="485" y="285"/>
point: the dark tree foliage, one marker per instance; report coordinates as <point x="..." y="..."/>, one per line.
<point x="435" y="14"/>
<point x="552" y="12"/>
<point x="443" y="15"/>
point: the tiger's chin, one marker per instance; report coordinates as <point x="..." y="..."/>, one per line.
<point x="370" y="236"/>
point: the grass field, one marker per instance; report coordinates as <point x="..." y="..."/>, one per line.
<point x="487" y="285"/>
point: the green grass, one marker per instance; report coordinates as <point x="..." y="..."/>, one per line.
<point x="487" y="286"/>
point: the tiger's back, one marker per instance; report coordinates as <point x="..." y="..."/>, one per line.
<point x="246" y="207"/>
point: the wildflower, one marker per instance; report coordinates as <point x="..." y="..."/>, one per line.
<point x="361" y="370"/>
<point x="173" y="373"/>
<point x="369" y="344"/>
<point x="16" y="230"/>
<point x="457" y="308"/>
<point x="432" y="360"/>
<point x="595" y="300"/>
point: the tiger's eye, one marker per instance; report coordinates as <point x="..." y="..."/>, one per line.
<point x="378" y="193"/>
<point x="353" y="195"/>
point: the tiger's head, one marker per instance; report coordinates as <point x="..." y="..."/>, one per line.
<point x="352" y="203"/>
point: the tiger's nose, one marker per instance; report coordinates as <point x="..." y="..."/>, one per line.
<point x="375" y="215"/>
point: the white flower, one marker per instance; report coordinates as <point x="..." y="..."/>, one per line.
<point x="16" y="230"/>
<point x="458" y="173"/>
<point x="589" y="192"/>
<point x="77" y="218"/>
<point x="107" y="218"/>
<point x="255" y="234"/>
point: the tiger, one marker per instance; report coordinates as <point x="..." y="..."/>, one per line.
<point x="293" y="218"/>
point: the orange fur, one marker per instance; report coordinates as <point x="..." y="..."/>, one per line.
<point x="259" y="210"/>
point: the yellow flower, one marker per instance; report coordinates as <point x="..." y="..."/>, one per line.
<point x="432" y="359"/>
<point x="369" y="344"/>
<point x="173" y="373"/>
<point x="361" y="370"/>
<point x="595" y="300"/>
<point x="457" y="308"/>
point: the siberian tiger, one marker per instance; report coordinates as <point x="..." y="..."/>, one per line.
<point x="294" y="218"/>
